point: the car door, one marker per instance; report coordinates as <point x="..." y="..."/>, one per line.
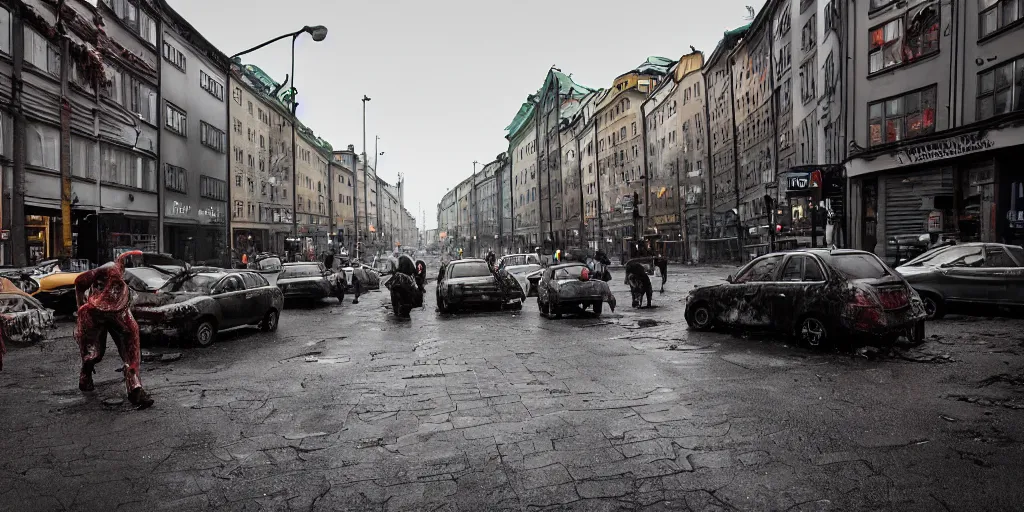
<point x="799" y="289"/>
<point x="257" y="297"/>
<point x="744" y="300"/>
<point x="958" y="275"/>
<point x="1000" y="278"/>
<point x="230" y="296"/>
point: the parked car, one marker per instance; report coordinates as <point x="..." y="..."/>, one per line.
<point x="22" y="317"/>
<point x="974" y="274"/>
<point x="566" y="286"/>
<point x="196" y="305"/>
<point x="469" y="282"/>
<point x="310" y="280"/>
<point x="813" y="294"/>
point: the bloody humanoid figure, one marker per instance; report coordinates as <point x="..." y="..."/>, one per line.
<point x="104" y="302"/>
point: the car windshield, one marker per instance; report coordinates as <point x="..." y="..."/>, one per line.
<point x="146" y="278"/>
<point x="950" y="255"/>
<point x="292" y="272"/>
<point x="473" y="269"/>
<point x="573" y="272"/>
<point x="859" y="266"/>
<point x="269" y="264"/>
<point x="199" y="283"/>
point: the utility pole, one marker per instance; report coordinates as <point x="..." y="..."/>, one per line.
<point x="19" y="240"/>
<point x="65" y="137"/>
<point x="474" y="225"/>
<point x="366" y="207"/>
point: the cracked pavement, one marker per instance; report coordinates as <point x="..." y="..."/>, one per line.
<point x="348" y="408"/>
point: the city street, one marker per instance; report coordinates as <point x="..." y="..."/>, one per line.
<point x="348" y="408"/>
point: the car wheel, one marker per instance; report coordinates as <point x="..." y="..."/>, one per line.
<point x="553" y="311"/>
<point x="442" y="305"/>
<point x="700" y="317"/>
<point x="933" y="306"/>
<point x="204" y="333"/>
<point x="269" y="323"/>
<point x="598" y="306"/>
<point x="812" y="331"/>
<point x="516" y="306"/>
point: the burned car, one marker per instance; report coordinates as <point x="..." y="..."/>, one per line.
<point x="310" y="281"/>
<point x="196" y="305"/>
<point x="22" y="318"/>
<point x="569" y="286"/>
<point x="520" y="266"/>
<point x="814" y="295"/>
<point x="471" y="282"/>
<point x="959" y="277"/>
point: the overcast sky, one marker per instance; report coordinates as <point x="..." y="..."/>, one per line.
<point x="445" y="77"/>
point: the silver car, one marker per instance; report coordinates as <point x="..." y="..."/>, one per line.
<point x="972" y="274"/>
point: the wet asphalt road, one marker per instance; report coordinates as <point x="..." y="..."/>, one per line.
<point x="347" y="408"/>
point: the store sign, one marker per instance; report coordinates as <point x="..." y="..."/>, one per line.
<point x="948" y="148"/>
<point x="804" y="180"/>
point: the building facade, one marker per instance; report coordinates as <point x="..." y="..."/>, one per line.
<point x="522" y="137"/>
<point x="193" y="143"/>
<point x="936" y="107"/>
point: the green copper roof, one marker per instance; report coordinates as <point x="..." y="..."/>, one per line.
<point x="659" y="65"/>
<point x="566" y="86"/>
<point x="737" y="31"/>
<point x="266" y="86"/>
<point x="522" y="117"/>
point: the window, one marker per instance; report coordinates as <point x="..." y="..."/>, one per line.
<point x="809" y="33"/>
<point x="175" y="178"/>
<point x="236" y="95"/>
<point x="808" y="76"/>
<point x="143" y="100"/>
<point x="136" y="19"/>
<point x="40" y="53"/>
<point x="174" y="56"/>
<point x="904" y="40"/>
<point x="1001" y="89"/>
<point x="759" y="270"/>
<point x="175" y="119"/>
<point x="211" y="137"/>
<point x="994" y="15"/>
<point x="42" y="142"/>
<point x="903" y="117"/>
<point x="5" y="31"/>
<point x="83" y="157"/>
<point x="211" y="85"/>
<point x="885" y="46"/>
<point x="996" y="257"/>
<point x="212" y="188"/>
<point x="127" y="168"/>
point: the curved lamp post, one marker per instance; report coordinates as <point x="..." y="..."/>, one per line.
<point x="318" y="33"/>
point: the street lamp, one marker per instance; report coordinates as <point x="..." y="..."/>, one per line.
<point x="318" y="33"/>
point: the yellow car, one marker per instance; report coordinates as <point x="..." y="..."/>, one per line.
<point x="56" y="291"/>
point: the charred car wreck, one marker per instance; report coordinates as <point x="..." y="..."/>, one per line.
<point x="195" y="305"/>
<point x="569" y="286"/>
<point x="815" y="295"/>
<point x="23" y="319"/>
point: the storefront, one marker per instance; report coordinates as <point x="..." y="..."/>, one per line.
<point x="814" y="207"/>
<point x="968" y="187"/>
<point x="196" y="234"/>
